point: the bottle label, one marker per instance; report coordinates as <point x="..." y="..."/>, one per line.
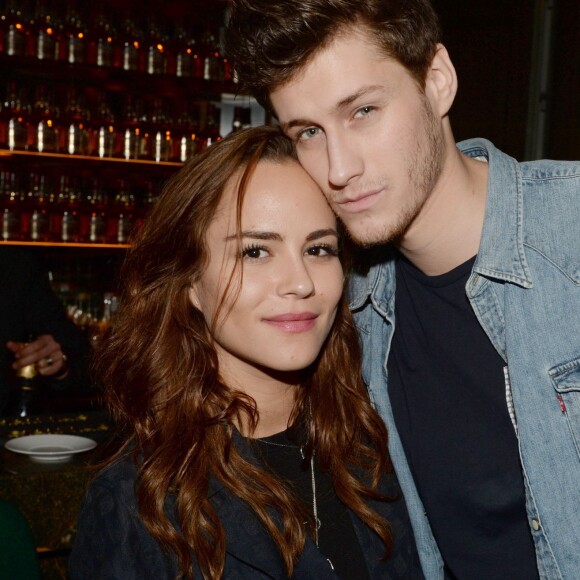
<point x="45" y="46"/>
<point x="69" y="227"/>
<point x="10" y="225"/>
<point x="17" y="134"/>
<point x="39" y="225"/>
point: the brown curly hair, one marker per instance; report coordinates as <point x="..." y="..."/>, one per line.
<point x="162" y="383"/>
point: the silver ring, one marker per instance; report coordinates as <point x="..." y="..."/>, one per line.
<point x="49" y="361"/>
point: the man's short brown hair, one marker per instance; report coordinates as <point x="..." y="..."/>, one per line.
<point x="269" y="41"/>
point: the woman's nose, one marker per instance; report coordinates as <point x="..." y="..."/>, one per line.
<point x="296" y="279"/>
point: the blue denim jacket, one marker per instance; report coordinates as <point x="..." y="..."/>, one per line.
<point x="525" y="292"/>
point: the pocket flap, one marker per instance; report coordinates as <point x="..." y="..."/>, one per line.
<point x="566" y="377"/>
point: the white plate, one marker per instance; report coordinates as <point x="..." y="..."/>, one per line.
<point x="50" y="447"/>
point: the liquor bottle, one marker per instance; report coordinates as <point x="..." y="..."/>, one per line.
<point x="162" y="139"/>
<point x="64" y="212"/>
<point x="101" y="42"/>
<point x="39" y="228"/>
<point x="70" y="213"/>
<point x="131" y="47"/>
<point x="104" y="131"/>
<point x="187" y="53"/>
<point x="155" y="50"/>
<point x="43" y="33"/>
<point x="24" y="395"/>
<point x="136" y="130"/>
<point x="45" y="122"/>
<point x="72" y="45"/>
<point x="186" y="134"/>
<point x="122" y="215"/>
<point x="94" y="214"/>
<point x="10" y="206"/>
<point x="76" y="129"/>
<point x="210" y="133"/>
<point x="14" y="121"/>
<point x="13" y="29"/>
<point x="214" y="62"/>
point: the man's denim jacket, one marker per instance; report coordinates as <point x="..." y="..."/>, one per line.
<point x="525" y="291"/>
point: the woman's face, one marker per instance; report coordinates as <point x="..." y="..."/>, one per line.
<point x="284" y="294"/>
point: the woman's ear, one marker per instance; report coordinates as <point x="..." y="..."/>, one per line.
<point x="193" y="296"/>
<point x="441" y="82"/>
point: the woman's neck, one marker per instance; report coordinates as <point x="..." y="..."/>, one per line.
<point x="274" y="395"/>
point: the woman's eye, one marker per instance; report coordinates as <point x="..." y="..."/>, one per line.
<point x="255" y="252"/>
<point x="322" y="250"/>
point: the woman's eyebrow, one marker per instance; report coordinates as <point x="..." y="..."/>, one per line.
<point x="273" y="236"/>
<point x="256" y="235"/>
<point x="321" y="234"/>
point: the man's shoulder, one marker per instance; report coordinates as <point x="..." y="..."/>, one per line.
<point x="550" y="171"/>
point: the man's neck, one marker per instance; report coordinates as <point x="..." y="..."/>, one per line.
<point x="447" y="231"/>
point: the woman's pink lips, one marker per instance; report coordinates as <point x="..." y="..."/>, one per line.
<point x="293" y="322"/>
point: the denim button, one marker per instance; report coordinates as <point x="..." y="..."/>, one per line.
<point x="535" y="524"/>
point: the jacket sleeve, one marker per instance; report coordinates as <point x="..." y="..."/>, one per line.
<point x="112" y="543"/>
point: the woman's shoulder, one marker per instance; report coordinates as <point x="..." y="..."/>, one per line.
<point x="119" y="477"/>
<point x="112" y="491"/>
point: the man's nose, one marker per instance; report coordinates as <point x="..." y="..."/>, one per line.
<point x="345" y="162"/>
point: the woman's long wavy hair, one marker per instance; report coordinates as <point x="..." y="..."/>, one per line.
<point x="161" y="378"/>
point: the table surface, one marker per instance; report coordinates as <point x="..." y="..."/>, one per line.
<point x="50" y="494"/>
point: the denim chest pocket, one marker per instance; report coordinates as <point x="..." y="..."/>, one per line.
<point x="566" y="381"/>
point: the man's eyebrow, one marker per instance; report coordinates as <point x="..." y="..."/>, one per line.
<point x="343" y="103"/>
<point x="363" y="91"/>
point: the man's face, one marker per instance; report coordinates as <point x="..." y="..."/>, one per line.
<point x="367" y="135"/>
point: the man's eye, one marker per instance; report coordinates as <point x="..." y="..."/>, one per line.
<point x="308" y="133"/>
<point x="364" y="111"/>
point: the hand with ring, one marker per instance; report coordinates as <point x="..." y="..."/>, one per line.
<point x="44" y="352"/>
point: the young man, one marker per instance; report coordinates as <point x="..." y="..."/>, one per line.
<point x="469" y="312"/>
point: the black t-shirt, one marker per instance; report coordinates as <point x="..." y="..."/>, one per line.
<point x="337" y="538"/>
<point x="446" y="385"/>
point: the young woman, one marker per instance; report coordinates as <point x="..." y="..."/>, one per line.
<point x="251" y="448"/>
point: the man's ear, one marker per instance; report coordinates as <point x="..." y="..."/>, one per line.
<point x="441" y="81"/>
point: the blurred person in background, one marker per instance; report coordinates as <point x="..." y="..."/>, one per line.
<point x="35" y="332"/>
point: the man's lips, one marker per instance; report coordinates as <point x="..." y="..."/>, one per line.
<point x="293" y="321"/>
<point x="360" y="202"/>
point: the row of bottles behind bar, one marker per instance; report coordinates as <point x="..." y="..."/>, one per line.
<point x="113" y="36"/>
<point x="74" y="210"/>
<point x="87" y="121"/>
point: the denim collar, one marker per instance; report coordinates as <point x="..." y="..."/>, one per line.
<point x="501" y="251"/>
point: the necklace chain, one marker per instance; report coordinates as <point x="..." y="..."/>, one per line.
<point x="317" y="522"/>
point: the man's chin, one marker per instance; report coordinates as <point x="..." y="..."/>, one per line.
<point x="370" y="239"/>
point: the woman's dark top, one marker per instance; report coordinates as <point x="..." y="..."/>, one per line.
<point x="113" y="543"/>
